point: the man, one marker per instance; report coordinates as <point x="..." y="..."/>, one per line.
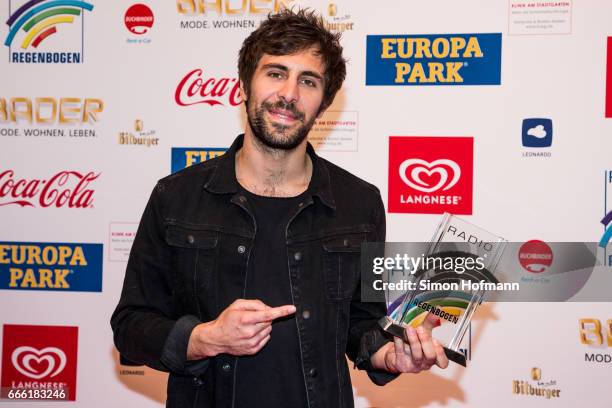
<point x="243" y="280"/>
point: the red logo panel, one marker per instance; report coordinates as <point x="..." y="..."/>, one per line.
<point x="430" y="175"/>
<point x="609" y="80"/>
<point x="39" y="357"/>
<point x="139" y="19"/>
<point x="535" y="256"/>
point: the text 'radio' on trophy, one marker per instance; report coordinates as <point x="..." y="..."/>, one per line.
<point x="448" y="279"/>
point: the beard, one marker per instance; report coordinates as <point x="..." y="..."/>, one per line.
<point x="275" y="135"/>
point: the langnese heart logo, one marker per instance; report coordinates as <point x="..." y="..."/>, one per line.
<point x="422" y="175"/>
<point x="24" y="357"/>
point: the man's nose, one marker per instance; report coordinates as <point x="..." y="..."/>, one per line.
<point x="289" y="92"/>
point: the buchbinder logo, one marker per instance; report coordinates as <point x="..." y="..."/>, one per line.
<point x="39" y="358"/>
<point x="430" y="175"/>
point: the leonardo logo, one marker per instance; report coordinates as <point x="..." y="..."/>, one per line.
<point x="32" y="27"/>
<point x="437" y="59"/>
<point x="39" y="358"/>
<point x="430" y="175"/>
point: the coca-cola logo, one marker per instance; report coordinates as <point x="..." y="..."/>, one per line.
<point x="427" y="176"/>
<point x="64" y="189"/>
<point x="196" y="88"/>
<point x="37" y="364"/>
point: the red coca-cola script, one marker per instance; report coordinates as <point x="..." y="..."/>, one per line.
<point x="195" y="88"/>
<point x="64" y="189"/>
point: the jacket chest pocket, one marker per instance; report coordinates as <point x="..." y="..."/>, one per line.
<point x="341" y="265"/>
<point x="193" y="258"/>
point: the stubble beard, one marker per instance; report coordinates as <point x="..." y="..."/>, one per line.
<point x="276" y="136"/>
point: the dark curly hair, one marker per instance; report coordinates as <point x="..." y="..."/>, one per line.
<point x="289" y="32"/>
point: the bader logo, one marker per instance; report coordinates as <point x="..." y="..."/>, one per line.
<point x="51" y="266"/>
<point x="39" y="358"/>
<point x="436" y="59"/>
<point x="430" y="175"/>
<point x="35" y="21"/>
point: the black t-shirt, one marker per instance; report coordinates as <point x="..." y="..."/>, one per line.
<point x="273" y="377"/>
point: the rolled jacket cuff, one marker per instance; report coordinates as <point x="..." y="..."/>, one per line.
<point x="370" y="343"/>
<point x="174" y="353"/>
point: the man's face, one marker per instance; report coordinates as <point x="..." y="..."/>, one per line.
<point x="285" y="96"/>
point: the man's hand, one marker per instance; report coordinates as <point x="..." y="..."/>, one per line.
<point x="241" y="329"/>
<point x="419" y="353"/>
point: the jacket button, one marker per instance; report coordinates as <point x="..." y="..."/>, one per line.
<point x="226" y="367"/>
<point x="242" y="199"/>
<point x="197" y="381"/>
<point x="301" y="204"/>
<point x="297" y="256"/>
<point x="306" y="314"/>
<point x="190" y="239"/>
<point x="345" y="242"/>
<point x="241" y="249"/>
<point x="313" y="372"/>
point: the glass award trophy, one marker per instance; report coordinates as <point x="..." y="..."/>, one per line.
<point x="448" y="279"/>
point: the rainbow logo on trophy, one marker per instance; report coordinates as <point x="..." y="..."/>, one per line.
<point x="447" y="277"/>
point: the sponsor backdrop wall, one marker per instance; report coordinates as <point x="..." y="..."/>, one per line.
<point x="498" y="111"/>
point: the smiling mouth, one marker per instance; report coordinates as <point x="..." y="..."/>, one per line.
<point x="282" y="115"/>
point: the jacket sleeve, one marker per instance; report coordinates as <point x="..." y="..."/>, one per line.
<point x="145" y="324"/>
<point x="365" y="335"/>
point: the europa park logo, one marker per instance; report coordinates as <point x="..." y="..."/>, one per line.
<point x="195" y="88"/>
<point x="33" y="25"/>
<point x="64" y="189"/>
<point x="430" y="175"/>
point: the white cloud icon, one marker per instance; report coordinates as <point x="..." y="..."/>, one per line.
<point x="537" y="131"/>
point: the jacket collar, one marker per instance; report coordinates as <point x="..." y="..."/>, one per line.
<point x="223" y="180"/>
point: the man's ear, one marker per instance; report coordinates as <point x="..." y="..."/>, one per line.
<point x="243" y="93"/>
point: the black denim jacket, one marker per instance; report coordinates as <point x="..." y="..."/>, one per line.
<point x="189" y="261"/>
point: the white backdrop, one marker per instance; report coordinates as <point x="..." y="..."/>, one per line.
<point x="554" y="68"/>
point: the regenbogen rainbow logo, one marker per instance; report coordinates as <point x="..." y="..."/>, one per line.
<point x="34" y="22"/>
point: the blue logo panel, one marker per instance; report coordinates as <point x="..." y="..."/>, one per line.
<point x="183" y="157"/>
<point x="434" y="59"/>
<point x="537" y="132"/>
<point x="51" y="266"/>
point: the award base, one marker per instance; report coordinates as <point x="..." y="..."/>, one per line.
<point x="398" y="331"/>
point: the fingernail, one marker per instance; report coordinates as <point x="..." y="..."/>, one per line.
<point x="291" y="309"/>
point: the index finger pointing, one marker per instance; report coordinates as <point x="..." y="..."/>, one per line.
<point x="270" y="314"/>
